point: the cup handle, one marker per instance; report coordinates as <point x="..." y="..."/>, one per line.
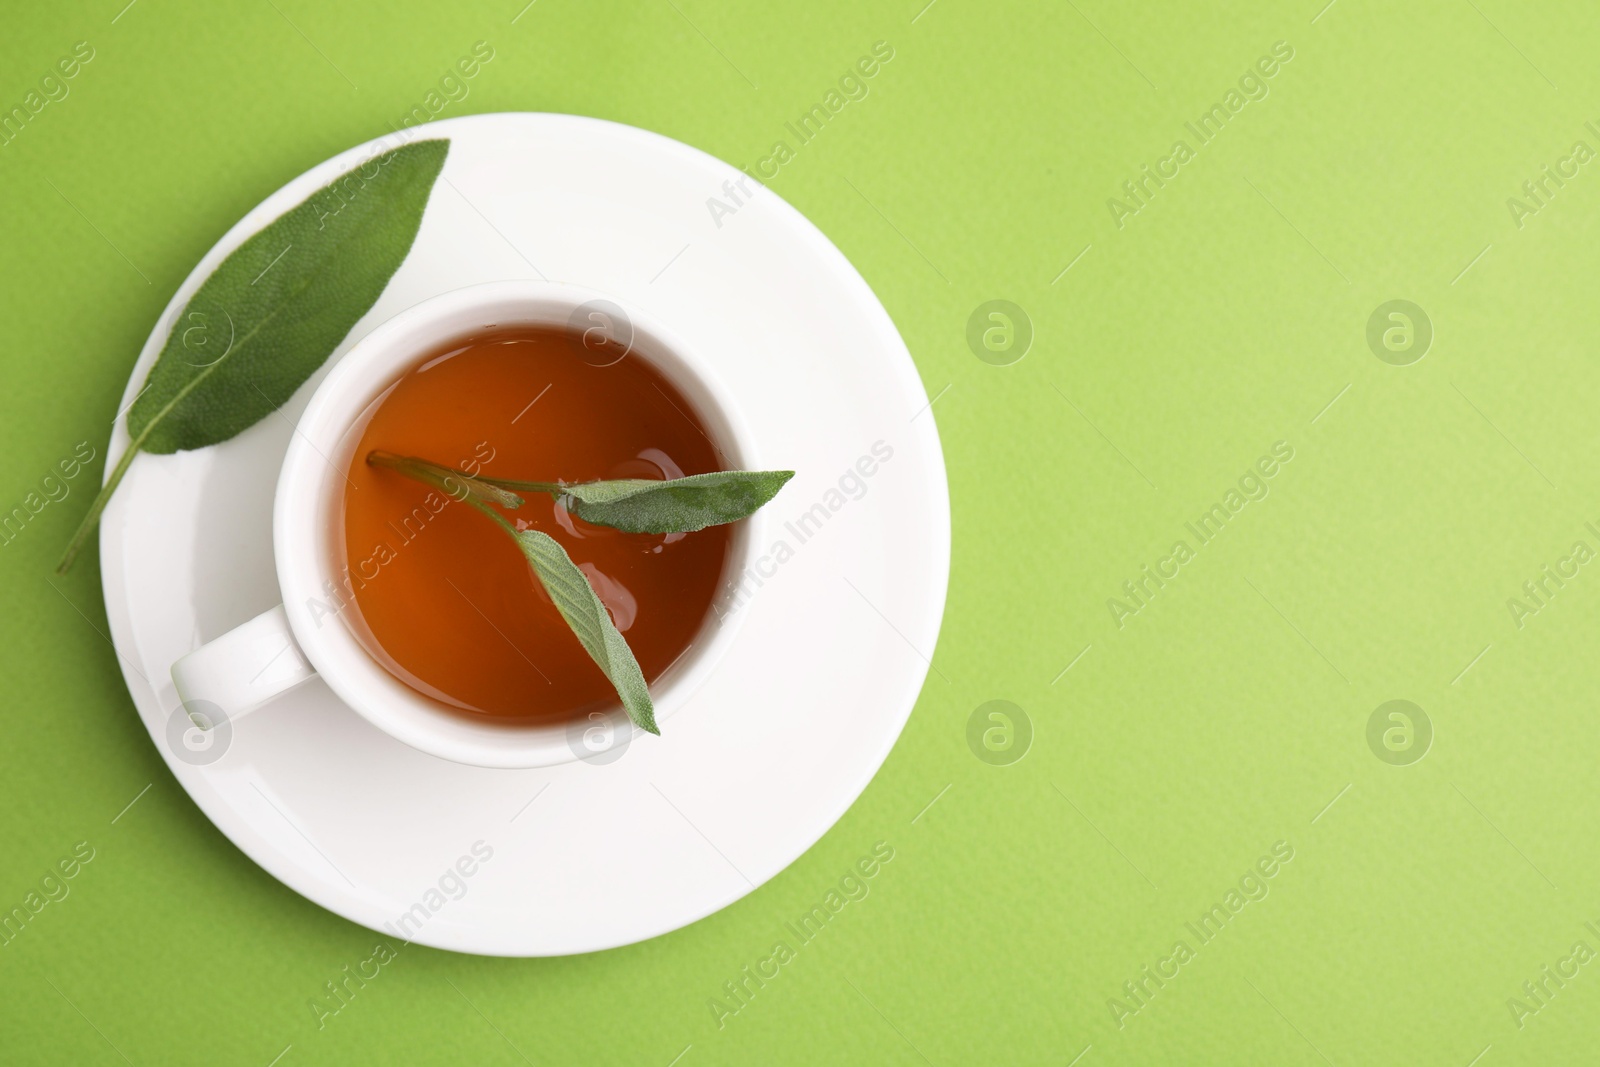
<point x="244" y="668"/>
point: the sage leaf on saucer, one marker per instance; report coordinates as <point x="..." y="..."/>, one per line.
<point x="275" y="309"/>
<point x="676" y="505"/>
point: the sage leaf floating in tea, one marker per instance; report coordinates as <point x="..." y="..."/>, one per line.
<point x="676" y="505"/>
<point x="580" y="605"/>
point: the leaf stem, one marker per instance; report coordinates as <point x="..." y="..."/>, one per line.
<point x="553" y="488"/>
<point x="458" y="485"/>
<point x="86" y="527"/>
<point x="493" y="514"/>
<point x="448" y="481"/>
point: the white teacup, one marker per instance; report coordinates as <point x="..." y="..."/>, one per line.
<point x="300" y="639"/>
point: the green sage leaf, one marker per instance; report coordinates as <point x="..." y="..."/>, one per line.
<point x="276" y="308"/>
<point x="284" y="316"/>
<point x="676" y="505"/>
<point x="578" y="603"/>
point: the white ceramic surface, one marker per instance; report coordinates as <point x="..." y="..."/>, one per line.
<point x="249" y="667"/>
<point x="774" y="746"/>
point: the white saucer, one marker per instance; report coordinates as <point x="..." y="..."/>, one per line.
<point x="772" y="749"/>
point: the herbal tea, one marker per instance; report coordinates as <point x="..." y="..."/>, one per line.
<point x="445" y="600"/>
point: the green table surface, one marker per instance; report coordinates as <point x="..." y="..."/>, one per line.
<point x="1417" y="539"/>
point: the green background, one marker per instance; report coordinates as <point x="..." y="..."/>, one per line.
<point x="1229" y="714"/>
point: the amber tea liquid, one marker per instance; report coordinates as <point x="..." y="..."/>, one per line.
<point x="445" y="600"/>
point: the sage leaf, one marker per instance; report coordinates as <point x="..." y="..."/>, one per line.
<point x="275" y="309"/>
<point x="676" y="505"/>
<point x="578" y="603"/>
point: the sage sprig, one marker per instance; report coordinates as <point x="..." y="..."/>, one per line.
<point x="675" y="505"/>
<point x="275" y="309"/>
